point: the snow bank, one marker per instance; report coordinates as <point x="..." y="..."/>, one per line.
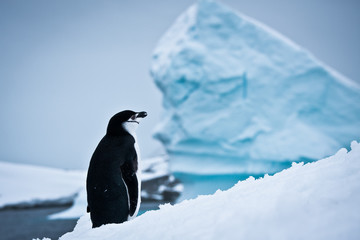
<point x="241" y="98"/>
<point x="29" y="186"/>
<point x="318" y="200"/>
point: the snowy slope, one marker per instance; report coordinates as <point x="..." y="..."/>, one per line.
<point x="318" y="200"/>
<point x="28" y="186"/>
<point x="241" y="98"/>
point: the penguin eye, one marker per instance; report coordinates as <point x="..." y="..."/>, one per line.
<point x="133" y="117"/>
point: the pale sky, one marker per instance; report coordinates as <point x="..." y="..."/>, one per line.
<point x="67" y="66"/>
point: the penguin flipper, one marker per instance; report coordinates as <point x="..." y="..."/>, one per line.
<point x="130" y="179"/>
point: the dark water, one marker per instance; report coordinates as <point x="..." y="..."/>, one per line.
<point x="23" y="224"/>
<point x="195" y="185"/>
<point x="19" y="224"/>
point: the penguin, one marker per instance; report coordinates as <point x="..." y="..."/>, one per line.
<point x="113" y="182"/>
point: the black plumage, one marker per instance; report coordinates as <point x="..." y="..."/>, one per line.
<point x="112" y="184"/>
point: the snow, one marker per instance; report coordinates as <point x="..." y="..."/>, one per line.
<point x="29" y="186"/>
<point x="318" y="200"/>
<point x="239" y="97"/>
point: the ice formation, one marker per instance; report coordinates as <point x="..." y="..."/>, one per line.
<point x="317" y="200"/>
<point x="240" y="97"/>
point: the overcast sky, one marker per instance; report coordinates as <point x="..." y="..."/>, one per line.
<point x="67" y="66"/>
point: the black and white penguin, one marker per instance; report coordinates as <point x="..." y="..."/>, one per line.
<point x="113" y="181"/>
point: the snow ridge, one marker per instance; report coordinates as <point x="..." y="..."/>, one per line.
<point x="317" y="200"/>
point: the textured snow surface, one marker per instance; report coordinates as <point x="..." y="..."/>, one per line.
<point x="240" y="97"/>
<point x="318" y="200"/>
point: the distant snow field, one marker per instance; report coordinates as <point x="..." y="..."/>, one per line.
<point x="30" y="186"/>
<point x="318" y="200"/>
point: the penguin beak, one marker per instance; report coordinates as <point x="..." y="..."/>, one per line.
<point x="141" y="114"/>
<point x="136" y="116"/>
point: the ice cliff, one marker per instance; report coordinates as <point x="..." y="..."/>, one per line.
<point x="240" y="97"/>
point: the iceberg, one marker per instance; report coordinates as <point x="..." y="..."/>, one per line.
<point x="239" y="97"/>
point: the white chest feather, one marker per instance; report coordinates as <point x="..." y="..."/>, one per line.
<point x="131" y="128"/>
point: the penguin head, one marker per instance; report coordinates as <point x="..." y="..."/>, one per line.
<point x="125" y="121"/>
